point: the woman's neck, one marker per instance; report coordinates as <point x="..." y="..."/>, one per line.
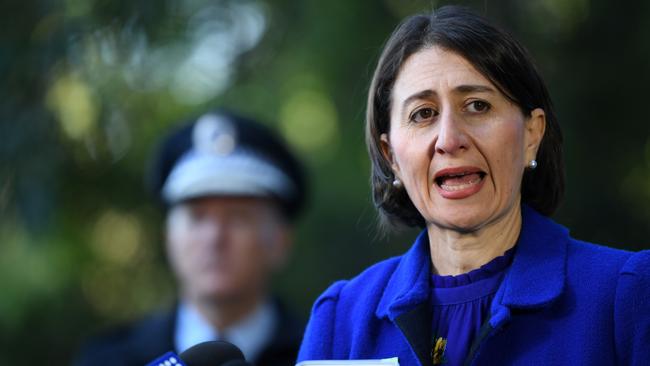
<point x="454" y="252"/>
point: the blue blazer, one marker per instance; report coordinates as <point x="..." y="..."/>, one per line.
<point x="562" y="302"/>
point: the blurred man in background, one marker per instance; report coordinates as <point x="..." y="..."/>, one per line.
<point x="231" y="190"/>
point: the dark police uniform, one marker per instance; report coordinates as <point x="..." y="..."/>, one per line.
<point x="141" y="342"/>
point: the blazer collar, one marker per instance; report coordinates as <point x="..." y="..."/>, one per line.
<point x="538" y="272"/>
<point x="535" y="279"/>
<point x="408" y="286"/>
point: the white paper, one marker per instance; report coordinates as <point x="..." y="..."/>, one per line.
<point x="382" y="362"/>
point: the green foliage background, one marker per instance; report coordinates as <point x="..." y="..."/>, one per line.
<point x="89" y="85"/>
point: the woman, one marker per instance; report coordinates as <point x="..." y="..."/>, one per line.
<point x="465" y="144"/>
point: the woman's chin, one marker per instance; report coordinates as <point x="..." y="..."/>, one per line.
<point x="463" y="220"/>
<point x="462" y="227"/>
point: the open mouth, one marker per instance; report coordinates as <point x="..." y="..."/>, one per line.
<point x="458" y="179"/>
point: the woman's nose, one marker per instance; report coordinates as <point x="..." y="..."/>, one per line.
<point x="451" y="138"/>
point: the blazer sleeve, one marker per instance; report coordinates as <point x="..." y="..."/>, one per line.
<point x="632" y="311"/>
<point x="319" y="340"/>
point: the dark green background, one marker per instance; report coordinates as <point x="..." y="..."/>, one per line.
<point x="89" y="85"/>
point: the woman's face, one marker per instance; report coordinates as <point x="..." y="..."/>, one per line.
<point x="458" y="145"/>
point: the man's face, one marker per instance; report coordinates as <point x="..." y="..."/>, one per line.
<point x="225" y="248"/>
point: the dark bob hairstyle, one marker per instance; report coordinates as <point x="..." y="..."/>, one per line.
<point x="503" y="61"/>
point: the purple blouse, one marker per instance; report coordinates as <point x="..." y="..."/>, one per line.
<point x="461" y="305"/>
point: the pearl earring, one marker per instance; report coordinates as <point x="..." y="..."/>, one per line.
<point x="397" y="183"/>
<point x="533" y="164"/>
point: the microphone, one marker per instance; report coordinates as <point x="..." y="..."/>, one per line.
<point x="212" y="353"/>
<point x="237" y="363"/>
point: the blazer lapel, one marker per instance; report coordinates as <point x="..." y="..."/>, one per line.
<point x="538" y="272"/>
<point x="405" y="300"/>
<point x="416" y="327"/>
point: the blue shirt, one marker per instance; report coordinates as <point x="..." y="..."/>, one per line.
<point x="561" y="302"/>
<point x="460" y="306"/>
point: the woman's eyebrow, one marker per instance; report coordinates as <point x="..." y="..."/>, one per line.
<point x="424" y="94"/>
<point x="461" y="89"/>
<point x="473" y="88"/>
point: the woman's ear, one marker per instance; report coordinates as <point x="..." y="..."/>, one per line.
<point x="387" y="152"/>
<point x="534" y="132"/>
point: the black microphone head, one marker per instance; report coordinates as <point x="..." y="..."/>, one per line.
<point x="212" y="353"/>
<point x="237" y="363"/>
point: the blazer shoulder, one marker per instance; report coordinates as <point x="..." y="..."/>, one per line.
<point x="597" y="258"/>
<point x="370" y="283"/>
<point x="598" y="249"/>
<point x="341" y="307"/>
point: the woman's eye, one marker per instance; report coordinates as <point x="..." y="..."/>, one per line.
<point x="478" y="106"/>
<point x="423" y="114"/>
